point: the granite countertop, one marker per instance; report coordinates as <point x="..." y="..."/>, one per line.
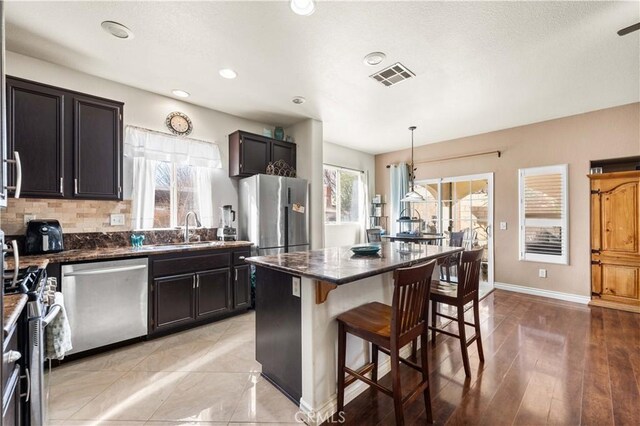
<point x="13" y="306"/>
<point x="423" y="237"/>
<point x="338" y="265"/>
<point x="80" y="255"/>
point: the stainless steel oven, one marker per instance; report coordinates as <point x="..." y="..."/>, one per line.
<point x="35" y="395"/>
<point x="32" y="282"/>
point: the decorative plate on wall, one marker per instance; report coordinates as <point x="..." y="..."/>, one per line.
<point x="179" y="123"/>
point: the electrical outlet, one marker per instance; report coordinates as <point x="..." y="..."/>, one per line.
<point x="503" y="226"/>
<point x="542" y="273"/>
<point x="117" y="219"/>
<point x="28" y="217"/>
<point x="295" y="286"/>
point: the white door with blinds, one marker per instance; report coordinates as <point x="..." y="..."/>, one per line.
<point x="544" y="219"/>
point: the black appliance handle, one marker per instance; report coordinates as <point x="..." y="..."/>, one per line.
<point x="233" y="212"/>
<point x="286" y="229"/>
<point x="288" y="195"/>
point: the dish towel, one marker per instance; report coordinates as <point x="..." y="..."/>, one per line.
<point x="58" y="332"/>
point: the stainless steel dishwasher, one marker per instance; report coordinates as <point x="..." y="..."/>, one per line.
<point x="106" y="302"/>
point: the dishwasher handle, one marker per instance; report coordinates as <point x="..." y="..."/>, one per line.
<point x="104" y="271"/>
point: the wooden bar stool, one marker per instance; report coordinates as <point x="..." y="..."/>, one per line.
<point x="459" y="295"/>
<point x="456" y="239"/>
<point x="389" y="328"/>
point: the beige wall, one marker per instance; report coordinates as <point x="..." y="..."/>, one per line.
<point x="609" y="133"/>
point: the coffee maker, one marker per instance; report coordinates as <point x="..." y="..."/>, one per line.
<point x="226" y="231"/>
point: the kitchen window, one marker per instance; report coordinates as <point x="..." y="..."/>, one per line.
<point x="544" y="219"/>
<point x="175" y="194"/>
<point x="343" y="196"/>
<point x="171" y="176"/>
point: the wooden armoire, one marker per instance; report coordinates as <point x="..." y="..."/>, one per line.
<point x="615" y="240"/>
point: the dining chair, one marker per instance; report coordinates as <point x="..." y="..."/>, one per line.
<point x="466" y="291"/>
<point x="374" y="235"/>
<point x="389" y="328"/>
<point x="456" y="239"/>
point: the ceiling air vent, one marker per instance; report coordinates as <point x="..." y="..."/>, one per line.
<point x="393" y="74"/>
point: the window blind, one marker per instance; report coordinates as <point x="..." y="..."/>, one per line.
<point x="543" y="214"/>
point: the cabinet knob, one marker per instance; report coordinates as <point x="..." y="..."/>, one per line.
<point x="241" y="257"/>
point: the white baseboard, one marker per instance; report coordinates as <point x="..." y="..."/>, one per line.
<point x="323" y="413"/>
<point x="584" y="300"/>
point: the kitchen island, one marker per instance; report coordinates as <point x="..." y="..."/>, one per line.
<point x="298" y="297"/>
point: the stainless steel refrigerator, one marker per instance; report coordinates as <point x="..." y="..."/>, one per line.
<point x="274" y="214"/>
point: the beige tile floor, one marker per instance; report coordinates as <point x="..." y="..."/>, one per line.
<point x="204" y="376"/>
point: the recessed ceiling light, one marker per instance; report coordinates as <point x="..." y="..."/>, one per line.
<point x="228" y="73"/>
<point x="298" y="100"/>
<point x="374" y="58"/>
<point x="302" y="7"/>
<point x="180" y="93"/>
<point x="116" y="29"/>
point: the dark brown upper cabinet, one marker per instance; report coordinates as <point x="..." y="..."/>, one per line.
<point x="250" y="154"/>
<point x="35" y="129"/>
<point x="70" y="143"/>
<point x="97" y="147"/>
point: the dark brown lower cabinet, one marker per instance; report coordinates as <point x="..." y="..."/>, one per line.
<point x="197" y="287"/>
<point x="241" y="287"/>
<point x="174" y="300"/>
<point x="213" y="292"/>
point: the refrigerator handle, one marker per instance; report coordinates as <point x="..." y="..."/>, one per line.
<point x="288" y="196"/>
<point x="286" y="229"/>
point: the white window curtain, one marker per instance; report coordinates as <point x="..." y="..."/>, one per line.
<point x="399" y="186"/>
<point x="144" y="191"/>
<point x="204" y="195"/>
<point x="147" y="148"/>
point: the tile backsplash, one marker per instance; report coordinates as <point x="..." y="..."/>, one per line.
<point x="75" y="216"/>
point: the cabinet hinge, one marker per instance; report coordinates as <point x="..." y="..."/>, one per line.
<point x="595" y="251"/>
<point x="595" y="191"/>
<point x="596" y="262"/>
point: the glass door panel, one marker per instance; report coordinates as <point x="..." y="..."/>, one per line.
<point x="461" y="204"/>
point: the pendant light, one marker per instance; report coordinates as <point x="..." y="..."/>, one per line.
<point x="412" y="196"/>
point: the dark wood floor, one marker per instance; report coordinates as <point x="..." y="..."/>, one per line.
<point x="546" y="362"/>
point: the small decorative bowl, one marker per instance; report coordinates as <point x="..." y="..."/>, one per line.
<point x="369" y="250"/>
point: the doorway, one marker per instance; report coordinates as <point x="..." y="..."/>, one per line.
<point x="461" y="204"/>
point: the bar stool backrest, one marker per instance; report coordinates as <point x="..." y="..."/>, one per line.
<point x="456" y="239"/>
<point x="469" y="273"/>
<point x="374" y="235"/>
<point x="410" y="301"/>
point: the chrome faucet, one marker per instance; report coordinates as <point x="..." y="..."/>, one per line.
<point x="186" y="224"/>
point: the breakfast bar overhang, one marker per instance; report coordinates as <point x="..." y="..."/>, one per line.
<point x="298" y="297"/>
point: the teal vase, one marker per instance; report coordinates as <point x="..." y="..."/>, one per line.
<point x="278" y="133"/>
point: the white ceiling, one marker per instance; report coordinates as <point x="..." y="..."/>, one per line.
<point x="479" y="66"/>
